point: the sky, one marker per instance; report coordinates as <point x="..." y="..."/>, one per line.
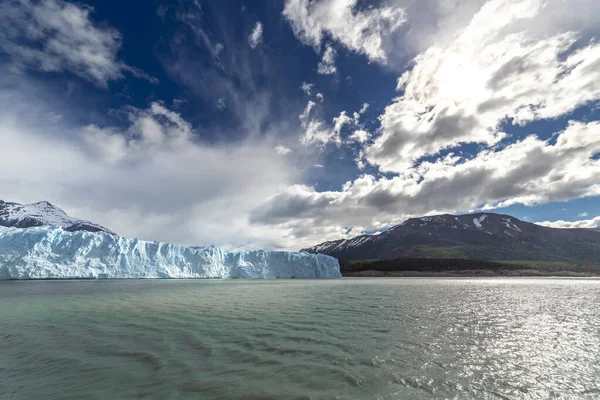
<point x="283" y="124"/>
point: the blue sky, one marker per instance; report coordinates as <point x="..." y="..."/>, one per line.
<point x="281" y="124"/>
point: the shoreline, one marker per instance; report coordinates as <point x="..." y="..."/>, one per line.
<point x="486" y="273"/>
<point x="362" y="274"/>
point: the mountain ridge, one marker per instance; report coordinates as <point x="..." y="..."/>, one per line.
<point x="483" y="235"/>
<point x="43" y="213"/>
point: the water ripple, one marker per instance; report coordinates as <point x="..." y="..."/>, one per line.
<point x="347" y="339"/>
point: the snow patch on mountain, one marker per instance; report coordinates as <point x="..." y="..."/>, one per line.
<point x="509" y="224"/>
<point x="478" y="221"/>
<point x="42" y="214"/>
<point x="52" y="252"/>
<point x="490" y="223"/>
<point x="358" y="240"/>
<point x="505" y="237"/>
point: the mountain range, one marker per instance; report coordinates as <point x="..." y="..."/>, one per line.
<point x="480" y="236"/>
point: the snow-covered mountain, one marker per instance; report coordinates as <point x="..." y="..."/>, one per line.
<point x="52" y="252"/>
<point x="480" y="236"/>
<point x="43" y="214"/>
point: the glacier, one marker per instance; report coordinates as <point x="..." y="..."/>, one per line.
<point x="51" y="252"/>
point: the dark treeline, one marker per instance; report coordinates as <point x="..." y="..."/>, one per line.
<point x="457" y="264"/>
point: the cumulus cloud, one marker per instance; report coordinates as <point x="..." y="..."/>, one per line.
<point x="327" y="64"/>
<point x="359" y="136"/>
<point x="55" y="36"/>
<point x="318" y="132"/>
<point x="360" y="30"/>
<point x="585" y="224"/>
<point x="530" y="171"/>
<point x="153" y="179"/>
<point x="494" y="69"/>
<point x="256" y="36"/>
<point x="516" y="60"/>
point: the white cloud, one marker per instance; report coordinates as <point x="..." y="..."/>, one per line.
<point x="153" y="179"/>
<point x="327" y="64"/>
<point x="530" y="171"/>
<point x="55" y="36"/>
<point x="364" y="108"/>
<point x="521" y="59"/>
<point x="282" y="150"/>
<point x="256" y="36"/>
<point x="360" y="136"/>
<point x="339" y="122"/>
<point x="362" y="31"/>
<point x="356" y="115"/>
<point x="317" y="132"/>
<point x="497" y="67"/>
<point x="586" y="224"/>
<point x="307" y="88"/>
<point x="304" y="117"/>
<point x="583" y="214"/>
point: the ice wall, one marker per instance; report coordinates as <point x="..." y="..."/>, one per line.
<point x="51" y="252"/>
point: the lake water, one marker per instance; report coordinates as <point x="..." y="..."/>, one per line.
<point x="341" y="339"/>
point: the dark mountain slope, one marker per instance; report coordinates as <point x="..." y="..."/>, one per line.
<point x="483" y="236"/>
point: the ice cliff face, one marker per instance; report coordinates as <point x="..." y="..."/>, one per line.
<point x="52" y="252"/>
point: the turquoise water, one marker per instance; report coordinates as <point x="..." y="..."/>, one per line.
<point x="339" y="339"/>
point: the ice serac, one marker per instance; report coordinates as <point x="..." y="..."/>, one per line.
<point x="52" y="252"/>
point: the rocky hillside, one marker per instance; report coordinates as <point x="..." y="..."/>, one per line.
<point x="482" y="236"/>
